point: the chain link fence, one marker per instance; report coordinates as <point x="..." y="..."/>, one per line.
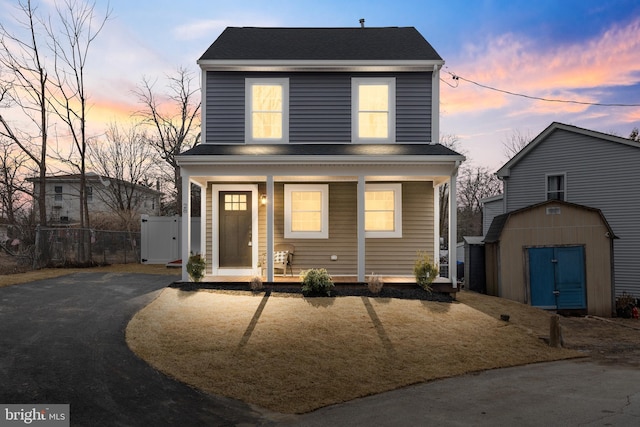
<point x="57" y="247"/>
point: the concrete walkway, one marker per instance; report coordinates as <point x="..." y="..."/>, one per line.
<point x="62" y="341"/>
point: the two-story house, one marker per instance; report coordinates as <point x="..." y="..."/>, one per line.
<point x="325" y="139"/>
<point x="584" y="167"/>
<point x="104" y="197"/>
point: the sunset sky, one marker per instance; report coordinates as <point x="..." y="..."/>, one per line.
<point x="578" y="50"/>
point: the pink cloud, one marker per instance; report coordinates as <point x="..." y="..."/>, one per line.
<point x="520" y="65"/>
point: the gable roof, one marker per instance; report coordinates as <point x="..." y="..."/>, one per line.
<point x="499" y="222"/>
<point x="505" y="170"/>
<point x="253" y="43"/>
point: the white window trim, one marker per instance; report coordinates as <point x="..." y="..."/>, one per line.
<point x="397" y="216"/>
<point x="355" y="107"/>
<point x="248" y="123"/>
<point x="324" y="231"/>
<point x="546" y="184"/>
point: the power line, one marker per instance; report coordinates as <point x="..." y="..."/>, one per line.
<point x="456" y="78"/>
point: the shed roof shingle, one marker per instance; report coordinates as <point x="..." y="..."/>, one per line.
<point x="252" y="43"/>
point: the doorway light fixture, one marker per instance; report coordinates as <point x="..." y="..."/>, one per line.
<point x="263" y="199"/>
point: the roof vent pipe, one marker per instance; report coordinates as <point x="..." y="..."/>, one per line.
<point x="362" y="22"/>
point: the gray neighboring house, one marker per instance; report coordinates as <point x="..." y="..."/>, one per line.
<point x="584" y="167"/>
<point x="63" y="197"/>
<point x="324" y="140"/>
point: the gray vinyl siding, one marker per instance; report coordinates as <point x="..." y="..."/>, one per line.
<point x="319" y="106"/>
<point x="224" y="108"/>
<point x="491" y="210"/>
<point x="600" y="174"/>
<point x="413" y="107"/>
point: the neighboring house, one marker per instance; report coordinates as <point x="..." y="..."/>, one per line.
<point x="63" y="197"/>
<point x="321" y="138"/>
<point x="583" y="167"/>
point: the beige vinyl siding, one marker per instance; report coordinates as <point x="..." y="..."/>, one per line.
<point x="396" y="256"/>
<point x="384" y="256"/>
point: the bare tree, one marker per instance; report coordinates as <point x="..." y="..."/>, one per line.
<point x="474" y="184"/>
<point x="12" y="189"/>
<point x="515" y="142"/>
<point x="452" y="142"/>
<point x="25" y="86"/>
<point x="175" y="119"/>
<point x="125" y="157"/>
<point x="70" y="40"/>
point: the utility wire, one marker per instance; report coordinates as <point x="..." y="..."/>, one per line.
<point x="456" y="78"/>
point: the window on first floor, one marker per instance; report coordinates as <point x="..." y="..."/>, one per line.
<point x="383" y="210"/>
<point x="556" y="187"/>
<point x="306" y="211"/>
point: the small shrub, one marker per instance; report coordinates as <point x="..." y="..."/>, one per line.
<point x="256" y="284"/>
<point x="375" y="284"/>
<point x="316" y="281"/>
<point x="196" y="266"/>
<point x="624" y="305"/>
<point x="425" y="271"/>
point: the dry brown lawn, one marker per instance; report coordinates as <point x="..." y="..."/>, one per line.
<point x="292" y="354"/>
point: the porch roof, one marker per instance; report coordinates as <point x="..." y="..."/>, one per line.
<point x="373" y="150"/>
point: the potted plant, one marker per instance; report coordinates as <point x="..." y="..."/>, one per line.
<point x="196" y="266"/>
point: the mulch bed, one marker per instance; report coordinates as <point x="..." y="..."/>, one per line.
<point x="388" y="291"/>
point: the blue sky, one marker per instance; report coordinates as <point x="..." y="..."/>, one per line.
<point x="581" y="50"/>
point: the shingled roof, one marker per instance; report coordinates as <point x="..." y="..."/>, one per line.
<point x="389" y="43"/>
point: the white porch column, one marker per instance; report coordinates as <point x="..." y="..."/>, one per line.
<point x="436" y="224"/>
<point x="270" y="216"/>
<point x="453" y="229"/>
<point x="186" y="222"/>
<point x="361" y="232"/>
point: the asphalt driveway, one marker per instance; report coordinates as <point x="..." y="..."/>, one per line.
<point x="62" y="341"/>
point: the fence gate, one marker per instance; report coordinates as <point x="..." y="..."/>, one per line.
<point x="160" y="239"/>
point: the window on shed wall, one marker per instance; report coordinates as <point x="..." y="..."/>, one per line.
<point x="556" y="187"/>
<point x="373" y="109"/>
<point x="306" y="211"/>
<point x="267" y="103"/>
<point x="383" y="210"/>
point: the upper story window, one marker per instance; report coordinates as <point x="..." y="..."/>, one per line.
<point x="373" y="105"/>
<point x="306" y="212"/>
<point x="57" y="193"/>
<point x="89" y="194"/>
<point x="267" y="110"/>
<point x="556" y="187"/>
<point x="383" y="210"/>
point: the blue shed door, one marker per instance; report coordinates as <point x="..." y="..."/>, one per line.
<point x="556" y="277"/>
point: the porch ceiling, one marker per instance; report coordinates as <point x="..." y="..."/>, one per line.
<point x="202" y="180"/>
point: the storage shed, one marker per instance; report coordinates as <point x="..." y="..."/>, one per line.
<point x="553" y="255"/>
